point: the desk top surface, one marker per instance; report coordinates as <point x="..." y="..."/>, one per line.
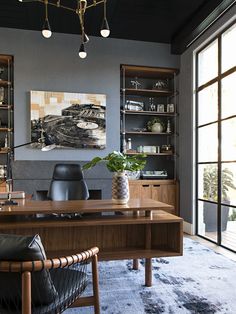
<point x="29" y="207"/>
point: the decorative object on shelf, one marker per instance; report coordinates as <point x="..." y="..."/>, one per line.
<point x="156" y="174"/>
<point x="155" y="125"/>
<point x="134" y="105"/>
<point x="168" y="127"/>
<point x="1" y="72"/>
<point x="1" y="95"/>
<point x="151" y="106"/>
<point x="119" y="163"/>
<point x="140" y="149"/>
<point x="135" y="83"/>
<point x="131" y="151"/>
<point x="72" y="120"/>
<point x="161" y="84"/>
<point x="133" y="175"/>
<point x="129" y="144"/>
<point x="170" y="108"/>
<point x="149" y="149"/>
<point x="167" y="148"/>
<point x="3" y="171"/>
<point x="139" y="129"/>
<point x="160" y="108"/>
<point x="6" y="141"/>
<point x="79" y="9"/>
<point x="124" y="144"/>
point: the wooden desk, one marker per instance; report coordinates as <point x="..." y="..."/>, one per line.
<point x="119" y="236"/>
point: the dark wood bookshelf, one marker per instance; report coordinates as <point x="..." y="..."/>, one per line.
<point x="149" y="113"/>
<point x="147" y="92"/>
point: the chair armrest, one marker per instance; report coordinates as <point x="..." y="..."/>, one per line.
<point x="60" y="262"/>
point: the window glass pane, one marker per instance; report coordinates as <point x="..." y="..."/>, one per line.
<point x="207" y="105"/>
<point x="228" y="92"/>
<point x="207" y="182"/>
<point x="208" y="143"/>
<point x="228" y="144"/>
<point x="207" y="220"/>
<point x="228" y="226"/>
<point x="228" y="183"/>
<point x="229" y="49"/>
<point x="208" y="63"/>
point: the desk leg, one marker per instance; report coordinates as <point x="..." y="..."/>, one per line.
<point x="135" y="264"/>
<point x="148" y="261"/>
<point x="135" y="260"/>
<point x="148" y="272"/>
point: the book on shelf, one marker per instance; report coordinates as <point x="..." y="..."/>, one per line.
<point x="12" y="195"/>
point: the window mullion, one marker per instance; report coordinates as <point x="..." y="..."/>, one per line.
<point x="219" y="236"/>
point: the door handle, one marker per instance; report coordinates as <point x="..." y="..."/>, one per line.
<point x="145" y="185"/>
<point x="156" y="185"/>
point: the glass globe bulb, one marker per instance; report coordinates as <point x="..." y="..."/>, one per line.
<point x="46" y="29"/>
<point x="82" y="54"/>
<point x="46" y="33"/>
<point x="105" y="30"/>
<point x="82" y="51"/>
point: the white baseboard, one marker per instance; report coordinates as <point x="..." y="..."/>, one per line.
<point x="188" y="228"/>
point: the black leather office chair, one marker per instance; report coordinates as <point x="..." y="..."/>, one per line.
<point x="68" y="183"/>
<point x="32" y="284"/>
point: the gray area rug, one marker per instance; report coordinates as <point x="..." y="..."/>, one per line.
<point x="201" y="281"/>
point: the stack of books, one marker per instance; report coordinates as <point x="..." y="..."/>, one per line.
<point x="13" y="194"/>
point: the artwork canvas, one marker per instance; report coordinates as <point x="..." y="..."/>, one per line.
<point x="69" y="120"/>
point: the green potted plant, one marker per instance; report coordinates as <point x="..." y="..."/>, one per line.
<point x="210" y="186"/>
<point x="156" y="125"/>
<point x="119" y="163"/>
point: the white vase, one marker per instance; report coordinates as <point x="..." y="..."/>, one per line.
<point x="157" y="127"/>
<point x="120" y="188"/>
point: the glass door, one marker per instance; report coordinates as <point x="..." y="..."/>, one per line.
<point x="216" y="139"/>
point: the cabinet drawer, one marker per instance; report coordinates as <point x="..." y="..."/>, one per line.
<point x="146" y="191"/>
<point x="2" y="186"/>
<point x="166" y="193"/>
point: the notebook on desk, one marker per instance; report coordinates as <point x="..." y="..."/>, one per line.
<point x="13" y="194"/>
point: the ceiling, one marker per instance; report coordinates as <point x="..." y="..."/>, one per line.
<point x="176" y="22"/>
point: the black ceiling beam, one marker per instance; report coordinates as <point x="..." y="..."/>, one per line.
<point x="199" y="24"/>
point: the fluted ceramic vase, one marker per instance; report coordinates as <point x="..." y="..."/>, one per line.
<point x="120" y="188"/>
<point x="157" y="127"/>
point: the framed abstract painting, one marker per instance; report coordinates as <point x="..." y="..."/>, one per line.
<point x="69" y="120"/>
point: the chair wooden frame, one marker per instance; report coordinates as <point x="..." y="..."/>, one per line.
<point x="26" y="268"/>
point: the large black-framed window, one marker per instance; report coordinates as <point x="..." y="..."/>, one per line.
<point x="216" y="139"/>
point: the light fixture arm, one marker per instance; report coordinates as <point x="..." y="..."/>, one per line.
<point x="105" y="9"/>
<point x="59" y="5"/>
<point x="46" y="9"/>
<point x="80" y="11"/>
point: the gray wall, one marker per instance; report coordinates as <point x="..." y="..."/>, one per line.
<point x="54" y="65"/>
<point x="187" y="119"/>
